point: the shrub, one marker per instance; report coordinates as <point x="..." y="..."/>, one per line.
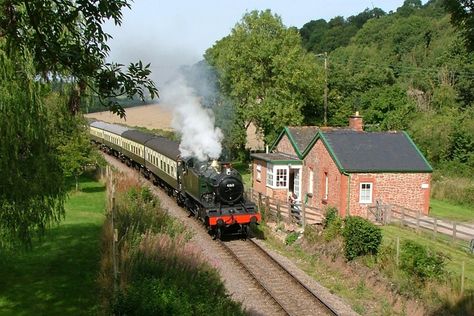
<point x="333" y="230"/>
<point x="330" y="216"/>
<point x="421" y="263"/>
<point x="291" y="238"/>
<point x="361" y="237"/>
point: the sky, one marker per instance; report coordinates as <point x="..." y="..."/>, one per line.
<point x="173" y="33"/>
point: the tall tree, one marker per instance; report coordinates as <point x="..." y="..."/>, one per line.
<point x="265" y="71"/>
<point x="66" y="38"/>
<point x="462" y="17"/>
<point x="41" y="41"/>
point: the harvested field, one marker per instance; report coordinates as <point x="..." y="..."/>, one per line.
<point x="149" y="116"/>
<point x="159" y="116"/>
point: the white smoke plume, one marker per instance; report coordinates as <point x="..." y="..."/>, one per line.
<point x="199" y="137"/>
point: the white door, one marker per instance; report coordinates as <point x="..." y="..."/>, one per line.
<point x="297" y="186"/>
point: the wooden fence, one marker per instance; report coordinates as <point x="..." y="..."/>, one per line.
<point x="389" y="213"/>
<point x="277" y="210"/>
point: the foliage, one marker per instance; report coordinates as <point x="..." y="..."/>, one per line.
<point x="263" y="69"/>
<point x="421" y="263"/>
<point x="334" y="229"/>
<point x="32" y="191"/>
<point x="330" y="216"/>
<point x="462" y="16"/>
<point x="361" y="237"/>
<point x="291" y="238"/>
<point x="68" y="41"/>
<point x="321" y="36"/>
<point x="160" y="271"/>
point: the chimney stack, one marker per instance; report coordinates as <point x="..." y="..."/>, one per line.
<point x="355" y="122"/>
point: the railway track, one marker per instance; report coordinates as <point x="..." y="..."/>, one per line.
<point x="290" y="294"/>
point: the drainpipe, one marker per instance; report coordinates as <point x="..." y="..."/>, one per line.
<point x="348" y="192"/>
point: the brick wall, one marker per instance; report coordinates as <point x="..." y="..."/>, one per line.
<point x="285" y="146"/>
<point x="404" y="189"/>
<point x="320" y="162"/>
<point x="259" y="186"/>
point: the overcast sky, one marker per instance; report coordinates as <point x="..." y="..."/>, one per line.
<point x="172" y="33"/>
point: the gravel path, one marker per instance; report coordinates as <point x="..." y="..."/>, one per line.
<point x="238" y="284"/>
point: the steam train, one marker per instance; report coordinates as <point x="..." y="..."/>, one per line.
<point x="212" y="191"/>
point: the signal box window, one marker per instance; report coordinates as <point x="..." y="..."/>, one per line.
<point x="365" y="195"/>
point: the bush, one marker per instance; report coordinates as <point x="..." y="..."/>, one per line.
<point x="291" y="238"/>
<point x="361" y="237"/>
<point x="421" y="263"/>
<point x="333" y="230"/>
<point x="330" y="216"/>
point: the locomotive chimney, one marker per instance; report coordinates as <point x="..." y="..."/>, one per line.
<point x="355" y="122"/>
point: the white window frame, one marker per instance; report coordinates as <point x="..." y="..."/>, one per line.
<point x="259" y="172"/>
<point x="270" y="175"/>
<point x="365" y="198"/>
<point x="326" y="186"/>
<point x="285" y="177"/>
<point x="311" y="180"/>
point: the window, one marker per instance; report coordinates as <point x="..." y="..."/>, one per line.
<point x="281" y="177"/>
<point x="326" y="186"/>
<point x="259" y="172"/>
<point x="269" y="174"/>
<point x="365" y="195"/>
<point x="310" y="184"/>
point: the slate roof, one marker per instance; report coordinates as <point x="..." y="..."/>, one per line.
<point x="302" y="135"/>
<point x="276" y="157"/>
<point x="137" y="136"/>
<point x="358" y="151"/>
<point x="164" y="146"/>
<point x="375" y="151"/>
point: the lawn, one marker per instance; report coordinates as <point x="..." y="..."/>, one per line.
<point x="453" y="212"/>
<point x="57" y="277"/>
<point x="456" y="254"/>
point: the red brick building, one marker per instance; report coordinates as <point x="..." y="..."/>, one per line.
<point x="347" y="168"/>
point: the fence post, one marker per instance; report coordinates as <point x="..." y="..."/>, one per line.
<point x="417" y="222"/>
<point x="454" y="231"/>
<point x="303" y="214"/>
<point x="398" y="251"/>
<point x="403" y="216"/>
<point x="268" y="211"/>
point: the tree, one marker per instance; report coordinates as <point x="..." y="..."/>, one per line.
<point x="32" y="188"/>
<point x="66" y="38"/>
<point x="462" y="17"/>
<point x="41" y="42"/>
<point x="265" y="71"/>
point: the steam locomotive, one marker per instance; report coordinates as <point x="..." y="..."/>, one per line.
<point x="212" y="191"/>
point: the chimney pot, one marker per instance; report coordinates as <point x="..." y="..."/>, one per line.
<point x="356" y="123"/>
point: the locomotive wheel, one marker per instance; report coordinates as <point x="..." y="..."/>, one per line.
<point x="247" y="231"/>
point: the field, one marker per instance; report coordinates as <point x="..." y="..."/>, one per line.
<point x="58" y="276"/>
<point x="158" y="116"/>
<point x="150" y="116"/>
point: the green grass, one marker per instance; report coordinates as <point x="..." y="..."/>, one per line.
<point x="456" y="254"/>
<point x="450" y="211"/>
<point x="57" y="276"/>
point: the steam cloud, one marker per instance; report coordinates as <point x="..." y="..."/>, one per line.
<point x="199" y="137"/>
